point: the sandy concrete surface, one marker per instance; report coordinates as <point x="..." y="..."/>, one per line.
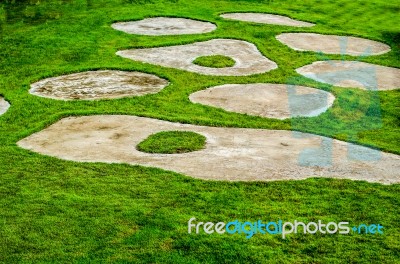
<point x="267" y="19"/>
<point x="248" y="58"/>
<point x="353" y="74"/>
<point x="235" y="154"/>
<point x="4" y="105"/>
<point x="159" y="26"/>
<point x="331" y="44"/>
<point x="98" y="85"/>
<point x="267" y="100"/>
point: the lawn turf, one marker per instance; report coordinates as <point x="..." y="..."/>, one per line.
<point x="172" y="142"/>
<point x="62" y="212"/>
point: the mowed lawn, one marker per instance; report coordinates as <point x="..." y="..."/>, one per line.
<point x="56" y="211"/>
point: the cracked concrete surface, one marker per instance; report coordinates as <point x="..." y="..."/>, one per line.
<point x="267" y="19"/>
<point x="159" y="26"/>
<point x="92" y="85"/>
<point x="332" y="44"/>
<point x="279" y="101"/>
<point x="4" y="105"/>
<point x="248" y="58"/>
<point x="235" y="154"/>
<point x="355" y="74"/>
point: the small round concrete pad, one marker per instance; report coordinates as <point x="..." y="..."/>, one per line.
<point x="353" y="74"/>
<point x="248" y="58"/>
<point x="267" y="100"/>
<point x="4" y="105"/>
<point x="159" y="26"/>
<point x="267" y="19"/>
<point x="331" y="44"/>
<point x="92" y="85"/>
<point x="236" y="154"/>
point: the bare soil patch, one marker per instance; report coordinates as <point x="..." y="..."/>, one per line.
<point x="267" y="100"/>
<point x="267" y="19"/>
<point x="353" y="74"/>
<point x="159" y="26"/>
<point x="248" y="58"/>
<point x="98" y="85"/>
<point x="235" y="154"/>
<point x="332" y="44"/>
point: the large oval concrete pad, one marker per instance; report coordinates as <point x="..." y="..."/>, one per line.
<point x="331" y="44"/>
<point x="98" y="85"/>
<point x="159" y="26"/>
<point x="267" y="100"/>
<point x="236" y="154"/>
<point x="248" y="58"/>
<point x="267" y="19"/>
<point x="353" y="74"/>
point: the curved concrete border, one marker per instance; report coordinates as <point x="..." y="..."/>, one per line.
<point x="353" y="74"/>
<point x="263" y="18"/>
<point x="236" y="154"/>
<point x="91" y="85"/>
<point x="4" y="105"/>
<point x="332" y="44"/>
<point x="159" y="26"/>
<point x="267" y="100"/>
<point x="249" y="59"/>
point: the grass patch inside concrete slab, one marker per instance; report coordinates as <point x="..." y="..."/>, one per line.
<point x="215" y="61"/>
<point x="172" y="142"/>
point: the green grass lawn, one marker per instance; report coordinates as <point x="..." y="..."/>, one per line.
<point x="215" y="61"/>
<point x="56" y="211"/>
<point x="172" y="142"/>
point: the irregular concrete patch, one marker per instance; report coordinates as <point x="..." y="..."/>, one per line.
<point x="98" y="85"/>
<point x="331" y="44"/>
<point x="4" y="105"/>
<point x="267" y="100"/>
<point x="267" y="19"/>
<point x="353" y="74"/>
<point x="248" y="58"/>
<point x="236" y="154"/>
<point x="159" y="26"/>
